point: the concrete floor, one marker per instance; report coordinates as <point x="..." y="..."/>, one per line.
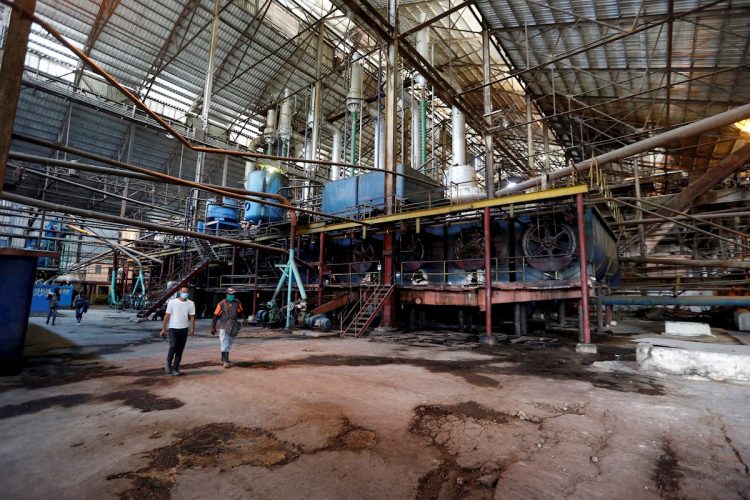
<point x="93" y="416"/>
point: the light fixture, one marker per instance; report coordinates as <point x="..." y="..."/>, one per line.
<point x="744" y="126"/>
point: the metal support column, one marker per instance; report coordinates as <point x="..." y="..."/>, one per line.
<point x="202" y="129"/>
<point x="489" y="157"/>
<point x="487" y="273"/>
<point x="14" y="56"/>
<point x="321" y="265"/>
<point x="584" y="311"/>
<point x="391" y="160"/>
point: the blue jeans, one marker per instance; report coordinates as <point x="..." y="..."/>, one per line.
<point x="52" y="314"/>
<point x="225" y="339"/>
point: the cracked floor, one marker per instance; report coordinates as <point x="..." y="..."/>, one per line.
<point x="92" y="415"/>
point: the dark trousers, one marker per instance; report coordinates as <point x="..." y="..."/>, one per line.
<point x="79" y="314"/>
<point x="52" y="314"/>
<point x="177" y="339"/>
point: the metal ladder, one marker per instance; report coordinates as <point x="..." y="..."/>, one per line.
<point x="367" y="312"/>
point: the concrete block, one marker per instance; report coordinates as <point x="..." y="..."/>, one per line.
<point x="686" y="329"/>
<point x="743" y="321"/>
<point x="586" y="348"/>
<point x="719" y="362"/>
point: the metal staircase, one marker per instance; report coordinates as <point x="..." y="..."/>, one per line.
<point x="370" y="307"/>
<point x="159" y="294"/>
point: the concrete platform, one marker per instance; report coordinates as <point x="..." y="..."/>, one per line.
<point x="687" y="329"/>
<point x="92" y="415"/>
<point x="719" y="362"/>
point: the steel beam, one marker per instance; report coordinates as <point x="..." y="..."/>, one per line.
<point x="14" y="55"/>
<point x="450" y="209"/>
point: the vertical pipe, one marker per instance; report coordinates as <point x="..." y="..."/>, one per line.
<point x="321" y="256"/>
<point x="487" y="273"/>
<point x="290" y="277"/>
<point x="489" y="148"/>
<point x="585" y="326"/>
<point x="353" y="143"/>
<point x="423" y="132"/>
<point x="225" y="171"/>
<point x="458" y="137"/>
<point x="255" y="288"/>
<point x="388" y="307"/>
<point x="638" y="213"/>
<point x="416" y="134"/>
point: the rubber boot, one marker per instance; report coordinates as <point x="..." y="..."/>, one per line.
<point x="225" y="359"/>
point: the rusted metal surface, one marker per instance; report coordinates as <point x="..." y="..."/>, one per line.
<point x="389" y="316"/>
<point x="475" y="297"/>
<point x="487" y="272"/>
<point x="14" y="56"/>
<point x="585" y="325"/>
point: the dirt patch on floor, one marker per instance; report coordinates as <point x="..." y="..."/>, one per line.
<point x="559" y="362"/>
<point x="226" y="445"/>
<point x="463" y="472"/>
<point x="351" y="437"/>
<point x="667" y="473"/>
<point x="143" y="400"/>
<point x="221" y="444"/>
<point x="37" y="405"/>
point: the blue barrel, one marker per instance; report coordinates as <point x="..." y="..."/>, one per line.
<point x="265" y="181"/>
<point x="17" y="270"/>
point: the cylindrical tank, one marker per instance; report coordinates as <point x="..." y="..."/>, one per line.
<point x="227" y="210"/>
<point x="264" y="181"/>
<point x="354" y="97"/>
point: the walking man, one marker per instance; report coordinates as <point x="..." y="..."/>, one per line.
<point x="53" y="301"/>
<point x="227" y="311"/>
<point x="180" y="317"/>
<point x="82" y="305"/>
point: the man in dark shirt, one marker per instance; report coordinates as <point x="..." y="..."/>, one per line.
<point x="227" y="312"/>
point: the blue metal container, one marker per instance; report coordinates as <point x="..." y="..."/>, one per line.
<point x="364" y="194"/>
<point x="265" y="181"/>
<point x="17" y="270"/>
<point x="39" y="298"/>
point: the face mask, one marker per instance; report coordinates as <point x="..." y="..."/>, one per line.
<point x="184" y="295"/>
<point x="230" y="298"/>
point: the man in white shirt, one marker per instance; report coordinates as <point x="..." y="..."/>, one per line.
<point x="180" y="317"/>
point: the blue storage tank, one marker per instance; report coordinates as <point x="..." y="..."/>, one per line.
<point x="265" y="181"/>
<point x="365" y="192"/>
<point x="225" y="211"/>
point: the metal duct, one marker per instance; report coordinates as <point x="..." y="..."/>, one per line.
<point x="458" y="132"/>
<point x="337" y="143"/>
<point x="285" y="117"/>
<point x="269" y="132"/>
<point x="354" y="98"/>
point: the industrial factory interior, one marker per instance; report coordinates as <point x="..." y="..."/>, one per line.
<point x="375" y="249"/>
